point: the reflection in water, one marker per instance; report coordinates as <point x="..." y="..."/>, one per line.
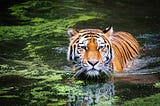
<point x="90" y="94"/>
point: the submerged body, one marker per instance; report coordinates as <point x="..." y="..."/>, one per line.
<point x="95" y="51"/>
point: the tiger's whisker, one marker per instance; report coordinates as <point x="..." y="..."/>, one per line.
<point x="78" y="73"/>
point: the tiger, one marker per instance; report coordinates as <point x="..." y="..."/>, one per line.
<point x="95" y="52"/>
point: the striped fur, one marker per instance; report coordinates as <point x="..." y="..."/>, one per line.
<point x="95" y="51"/>
<point x="125" y="48"/>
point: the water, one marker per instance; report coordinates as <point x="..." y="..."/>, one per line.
<point x="33" y="66"/>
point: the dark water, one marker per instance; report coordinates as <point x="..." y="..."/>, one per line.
<point x="140" y="17"/>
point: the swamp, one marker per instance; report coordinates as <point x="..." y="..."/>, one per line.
<point x="34" y="70"/>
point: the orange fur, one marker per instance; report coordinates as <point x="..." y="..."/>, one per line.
<point x="125" y="48"/>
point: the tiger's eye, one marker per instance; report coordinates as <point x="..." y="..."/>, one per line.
<point x="101" y="47"/>
<point x="84" y="47"/>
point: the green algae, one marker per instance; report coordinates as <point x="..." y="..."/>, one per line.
<point x="157" y="85"/>
<point x="152" y="100"/>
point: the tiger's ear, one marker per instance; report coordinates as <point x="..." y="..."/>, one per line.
<point x="72" y="32"/>
<point x="108" y="31"/>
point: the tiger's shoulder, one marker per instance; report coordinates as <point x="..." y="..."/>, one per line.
<point x="125" y="48"/>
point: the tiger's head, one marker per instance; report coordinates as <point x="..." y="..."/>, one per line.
<point x="90" y="51"/>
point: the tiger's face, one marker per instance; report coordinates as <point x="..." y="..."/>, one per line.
<point x="91" y="51"/>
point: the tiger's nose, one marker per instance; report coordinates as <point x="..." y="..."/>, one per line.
<point x="93" y="62"/>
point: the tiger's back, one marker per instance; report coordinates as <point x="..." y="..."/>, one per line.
<point x="125" y="48"/>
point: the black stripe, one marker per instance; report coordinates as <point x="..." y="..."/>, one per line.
<point x="74" y="46"/>
<point x="70" y="54"/>
<point x="111" y="52"/>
